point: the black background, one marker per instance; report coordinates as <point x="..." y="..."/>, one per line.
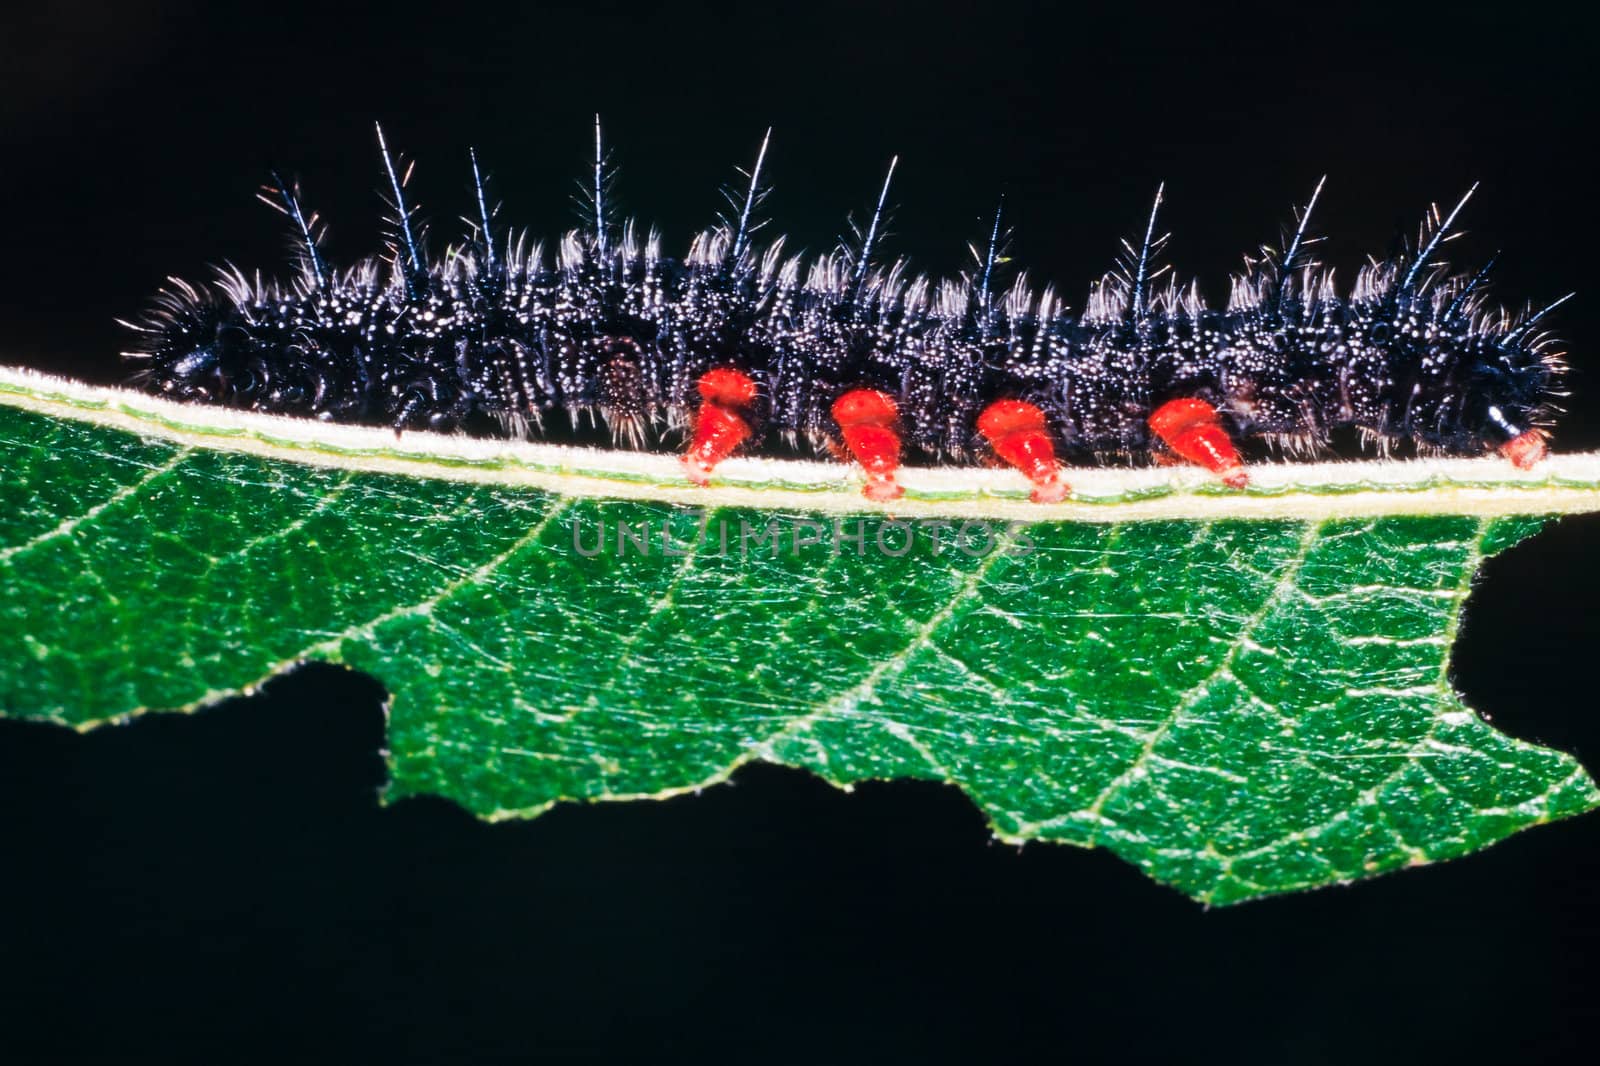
<point x="224" y="886"/>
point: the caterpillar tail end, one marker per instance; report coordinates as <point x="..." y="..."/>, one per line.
<point x="1192" y="429"/>
<point x="867" y="421"/>
<point x="1019" y="434"/>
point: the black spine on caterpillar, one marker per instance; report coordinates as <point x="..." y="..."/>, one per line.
<point x="613" y="330"/>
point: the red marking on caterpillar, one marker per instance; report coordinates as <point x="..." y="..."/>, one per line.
<point x="866" y="420"/>
<point x="739" y="346"/>
<point x="1191" y="428"/>
<point x="718" y="427"/>
<point x="1525" y="449"/>
<point x="1020" y="434"/>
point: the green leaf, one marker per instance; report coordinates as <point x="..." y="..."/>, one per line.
<point x="1240" y="694"/>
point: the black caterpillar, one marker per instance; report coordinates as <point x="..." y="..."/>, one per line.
<point x="737" y="343"/>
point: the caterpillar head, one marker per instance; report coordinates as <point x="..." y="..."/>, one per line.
<point x="1507" y="401"/>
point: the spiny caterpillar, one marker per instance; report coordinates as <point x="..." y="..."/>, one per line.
<point x="738" y="344"/>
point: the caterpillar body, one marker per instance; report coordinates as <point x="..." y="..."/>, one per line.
<point x="738" y="344"/>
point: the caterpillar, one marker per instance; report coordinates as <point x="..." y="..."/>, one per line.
<point x="738" y="345"/>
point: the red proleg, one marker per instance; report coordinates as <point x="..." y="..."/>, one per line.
<point x="1525" y="449"/>
<point x="867" y="419"/>
<point x="1191" y="429"/>
<point x="1019" y="434"/>
<point x="718" y="427"/>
